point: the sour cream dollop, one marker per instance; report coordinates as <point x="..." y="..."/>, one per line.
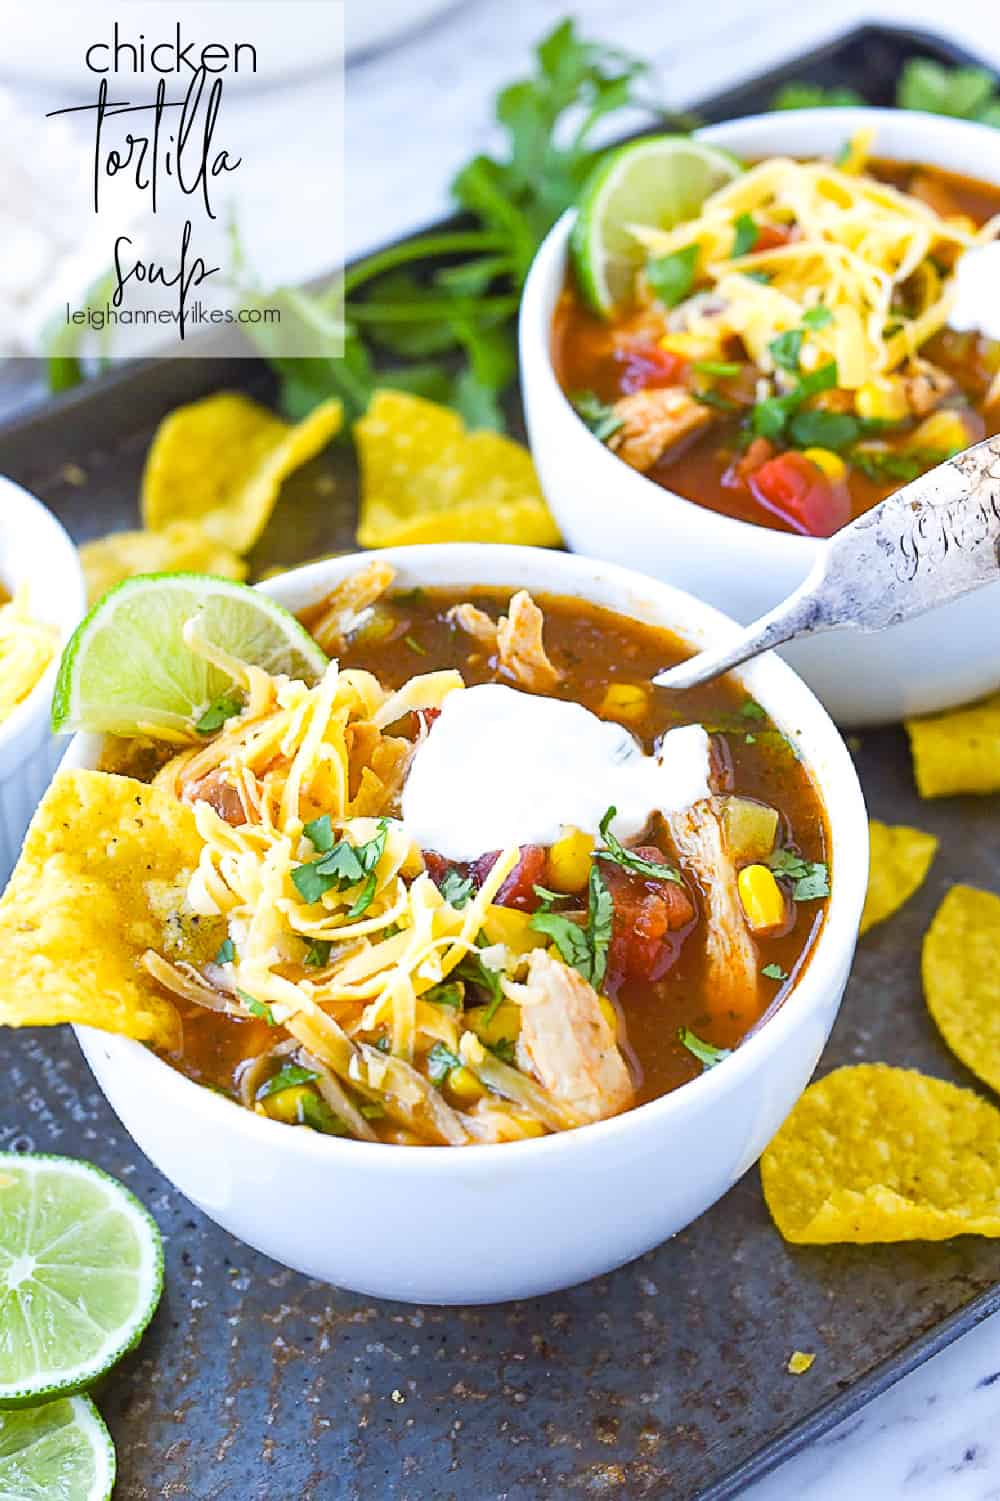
<point x="501" y="767"/>
<point x="976" y="284"/>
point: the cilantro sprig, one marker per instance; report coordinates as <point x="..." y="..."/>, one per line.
<point x="222" y="709"/>
<point x="637" y="865"/>
<point x="707" y="1054"/>
<point x="810" y="879"/>
<point x="601" y="418"/>
<point x="584" y="947"/>
<point x="340" y="866"/>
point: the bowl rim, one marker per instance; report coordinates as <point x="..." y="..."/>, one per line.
<point x="843" y="803"/>
<point x="20" y="508"/>
<point x="534" y="323"/>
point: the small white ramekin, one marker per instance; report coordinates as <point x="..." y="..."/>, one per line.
<point x="482" y="1224"/>
<point x="607" y="510"/>
<point x="37" y="554"/>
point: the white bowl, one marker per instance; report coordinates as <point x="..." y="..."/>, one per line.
<point x="34" y="551"/>
<point x="607" y="510"/>
<point x="485" y="1223"/>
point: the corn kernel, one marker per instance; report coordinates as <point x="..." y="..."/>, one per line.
<point x="941" y="432"/>
<point x="464" y="1086"/>
<point x="831" y="463"/>
<point x="761" y="897"/>
<point x="529" y="1126"/>
<point x="512" y="928"/>
<point x="881" y="401"/>
<point x="287" y="1104"/>
<point x="609" y="1013"/>
<point x="691" y="346"/>
<point x="569" y="861"/>
<point x="503" y="1026"/>
<point x="626" y="701"/>
<point x="962" y="223"/>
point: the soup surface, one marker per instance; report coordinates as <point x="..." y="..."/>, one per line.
<point x="794" y="371"/>
<point x="666" y="953"/>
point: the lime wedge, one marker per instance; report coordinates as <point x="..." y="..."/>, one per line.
<point x="81" y="1272"/>
<point x="127" y="664"/>
<point x="659" y="181"/>
<point x="58" y="1452"/>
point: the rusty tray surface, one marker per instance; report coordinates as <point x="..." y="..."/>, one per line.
<point x="664" y="1379"/>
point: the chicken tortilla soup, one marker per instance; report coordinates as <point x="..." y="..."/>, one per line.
<point x="482" y="881"/>
<point x="816" y="336"/>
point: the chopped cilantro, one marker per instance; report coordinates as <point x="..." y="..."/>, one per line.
<point x="286" y="1078"/>
<point x="505" y="1048"/>
<point x="710" y="398"/>
<point x="750" y="740"/>
<point x="586" y="947"/>
<point x="215" y="716"/>
<point x="415" y="646"/>
<point x="456" y="888"/>
<point x="257" y="1008"/>
<point x="811" y="879"/>
<point x="786" y="348"/>
<point x="597" y="414"/>
<point x="318" y="953"/>
<point x="343" y="865"/>
<point x="707" y="1054"/>
<point x="672" y="276"/>
<point x="817" y="317"/>
<point x="761" y="276"/>
<point x="723" y="369"/>
<point x="895" y="463"/>
<point x="226" y="953"/>
<point x="476" y="972"/>
<point x="548" y="897"/>
<point x="440" y="1063"/>
<point x="614" y="850"/>
<point x="770" y="416"/>
<point x="774" y="972"/>
<point x="752" y="710"/>
<point x="745" y="237"/>
<point x="818" y="429"/>
<point x="320" y="833"/>
<point x="315" y="1113"/>
<point x="450" y="994"/>
<point x="372" y="1110"/>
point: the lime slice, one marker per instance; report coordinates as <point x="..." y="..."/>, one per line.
<point x="81" y="1272"/>
<point x="659" y="181"/>
<point x="58" y="1452"/>
<point x="127" y="665"/>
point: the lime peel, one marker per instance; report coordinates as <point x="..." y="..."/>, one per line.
<point x="62" y="1449"/>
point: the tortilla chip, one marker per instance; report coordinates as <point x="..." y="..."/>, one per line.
<point x="181" y="547"/>
<point x="101" y="879"/>
<point x="799" y="1362"/>
<point x="873" y="1153"/>
<point x="900" y="860"/>
<point x="961" y="970"/>
<point x="221" y="462"/>
<point x="958" y="751"/>
<point x="424" y="479"/>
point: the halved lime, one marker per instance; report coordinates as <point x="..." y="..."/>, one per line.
<point x="58" y="1452"/>
<point x="81" y="1272"/>
<point x="659" y="181"/>
<point x="127" y="665"/>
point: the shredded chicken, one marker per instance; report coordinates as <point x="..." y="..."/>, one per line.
<point x="926" y="386"/>
<point x="476" y="623"/>
<point x="654" y="421"/>
<point x="345" y="605"/>
<point x="520" y="647"/>
<point x="700" y="842"/>
<point x="567" y="1043"/>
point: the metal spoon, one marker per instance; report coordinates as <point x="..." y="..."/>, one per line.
<point x="932" y="541"/>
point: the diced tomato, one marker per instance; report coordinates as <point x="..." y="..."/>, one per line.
<point x="772" y="237"/>
<point x="519" y="888"/>
<point x="797" y="490"/>
<point x="651" y="920"/>
<point x="645" y="366"/>
<point x="426" y="717"/>
<point x="758" y="452"/>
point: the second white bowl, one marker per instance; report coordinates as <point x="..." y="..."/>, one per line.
<point x="607" y="510"/>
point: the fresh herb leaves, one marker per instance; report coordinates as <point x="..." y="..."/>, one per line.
<point x="215" y="716"/>
<point x="597" y="414"/>
<point x="318" y="953"/>
<point x="774" y="972"/>
<point x="614" y="850"/>
<point x="320" y="833"/>
<point x="707" y="1054"/>
<point x="473" y="970"/>
<point x="751" y="709"/>
<point x="817" y="317"/>
<point x="671" y="277"/>
<point x="770" y="417"/>
<point x="881" y="464"/>
<point x="814" y="96"/>
<point x="786" y="348"/>
<point x="722" y="369"/>
<point x="286" y="1078"/>
<point x="584" y="947"/>
<point x="441" y="1061"/>
<point x="456" y="888"/>
<point x="256" y="1008"/>
<point x="226" y="953"/>
<point x="968" y="93"/>
<point x="745" y="237"/>
<point x="451" y="995"/>
<point x="341" y="866"/>
<point x="810" y="879"/>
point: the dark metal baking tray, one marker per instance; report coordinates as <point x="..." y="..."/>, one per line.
<point x="666" y="1379"/>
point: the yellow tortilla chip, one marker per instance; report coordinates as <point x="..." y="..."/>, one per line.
<point x="101" y="879"/>
<point x="425" y="479"/>
<point x="799" y="1362"/>
<point x="958" y="751"/>
<point x="873" y="1153"/>
<point x="961" y="970"/>
<point x="900" y="859"/>
<point x="222" y="461"/>
<point x="181" y="547"/>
